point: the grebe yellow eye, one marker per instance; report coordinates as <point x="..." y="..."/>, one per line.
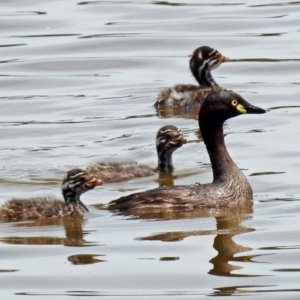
<point x="234" y="102"/>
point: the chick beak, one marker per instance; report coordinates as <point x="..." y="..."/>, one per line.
<point x="180" y="140"/>
<point x="93" y="181"/>
<point x="224" y="59"/>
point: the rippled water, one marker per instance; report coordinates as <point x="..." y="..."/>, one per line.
<point x="78" y="81"/>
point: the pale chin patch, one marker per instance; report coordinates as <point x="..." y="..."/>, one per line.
<point x="64" y="186"/>
<point x="214" y="64"/>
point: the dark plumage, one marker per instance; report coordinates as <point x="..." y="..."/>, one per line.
<point x="203" y="60"/>
<point x="168" y="139"/>
<point x="229" y="187"/>
<point x="75" y="183"/>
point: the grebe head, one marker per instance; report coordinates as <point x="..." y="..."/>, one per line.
<point x="169" y="138"/>
<point x="75" y="183"/>
<point x="222" y="105"/>
<point x="205" y="56"/>
<point x="203" y="60"/>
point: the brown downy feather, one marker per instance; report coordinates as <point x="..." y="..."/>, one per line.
<point x="74" y="184"/>
<point x="46" y="207"/>
<point x="168" y="139"/>
<point x="203" y="60"/>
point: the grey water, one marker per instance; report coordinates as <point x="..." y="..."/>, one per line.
<point x="78" y="81"/>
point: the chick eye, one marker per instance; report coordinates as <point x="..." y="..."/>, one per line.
<point x="218" y="55"/>
<point x="234" y="102"/>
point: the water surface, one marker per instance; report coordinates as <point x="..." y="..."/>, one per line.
<point x="78" y="81"/>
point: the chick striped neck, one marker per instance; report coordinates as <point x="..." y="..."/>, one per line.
<point x="70" y="196"/>
<point x="165" y="164"/>
<point x="204" y="76"/>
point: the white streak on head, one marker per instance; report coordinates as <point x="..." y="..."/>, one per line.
<point x="213" y="52"/>
<point x="166" y="131"/>
<point x="77" y="175"/>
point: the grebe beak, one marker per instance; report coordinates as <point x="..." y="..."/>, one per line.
<point x="224" y="59"/>
<point x="93" y="181"/>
